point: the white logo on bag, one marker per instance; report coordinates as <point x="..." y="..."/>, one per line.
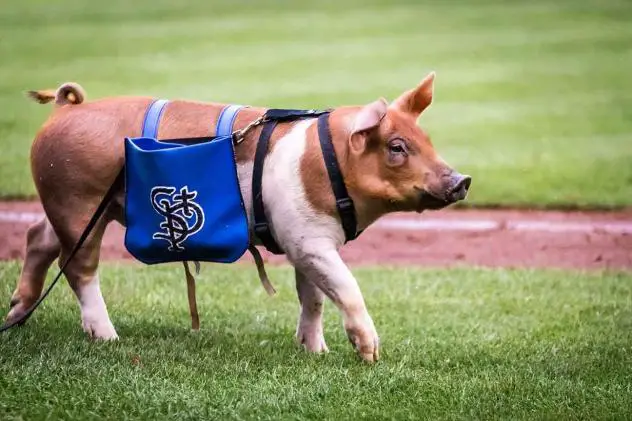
<point x="183" y="216"/>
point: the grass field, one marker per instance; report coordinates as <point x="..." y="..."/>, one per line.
<point x="457" y="344"/>
<point x="534" y="99"/>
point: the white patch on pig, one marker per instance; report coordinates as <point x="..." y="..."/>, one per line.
<point x="291" y="216"/>
<point x="94" y="314"/>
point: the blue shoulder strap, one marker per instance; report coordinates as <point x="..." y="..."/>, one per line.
<point x="227" y="119"/>
<point x="152" y="118"/>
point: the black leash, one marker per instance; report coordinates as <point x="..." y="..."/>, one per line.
<point x="84" y="235"/>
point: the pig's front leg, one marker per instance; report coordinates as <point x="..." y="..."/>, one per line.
<point x="323" y="266"/>
<point x="309" y="331"/>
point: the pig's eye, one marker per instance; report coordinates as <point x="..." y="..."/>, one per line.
<point x="397" y="146"/>
<point x="397" y="152"/>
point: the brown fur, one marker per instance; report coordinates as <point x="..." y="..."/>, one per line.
<point x="76" y="174"/>
<point x="376" y="187"/>
<point x="79" y="151"/>
<point x="68" y="93"/>
<point x="112" y="119"/>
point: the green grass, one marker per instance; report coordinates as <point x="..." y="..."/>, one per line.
<point x="534" y="99"/>
<point x="457" y="344"/>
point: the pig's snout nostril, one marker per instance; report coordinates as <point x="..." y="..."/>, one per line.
<point x="460" y="188"/>
<point x="465" y="183"/>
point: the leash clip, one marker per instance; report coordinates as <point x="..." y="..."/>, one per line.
<point x="239" y="135"/>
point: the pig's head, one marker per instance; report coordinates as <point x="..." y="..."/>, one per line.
<point x="391" y="159"/>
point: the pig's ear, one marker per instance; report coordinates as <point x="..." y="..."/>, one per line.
<point x="367" y="119"/>
<point x="416" y="100"/>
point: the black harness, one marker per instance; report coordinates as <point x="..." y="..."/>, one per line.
<point x="344" y="203"/>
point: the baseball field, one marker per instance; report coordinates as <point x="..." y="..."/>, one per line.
<point x="518" y="305"/>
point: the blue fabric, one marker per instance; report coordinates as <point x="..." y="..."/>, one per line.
<point x="182" y="202"/>
<point x="226" y="120"/>
<point x="152" y="118"/>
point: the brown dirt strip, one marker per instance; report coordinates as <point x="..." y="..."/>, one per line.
<point x="504" y="244"/>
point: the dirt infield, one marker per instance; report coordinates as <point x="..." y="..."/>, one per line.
<point x="577" y="240"/>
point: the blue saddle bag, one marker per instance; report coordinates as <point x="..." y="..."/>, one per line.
<point x="182" y="201"/>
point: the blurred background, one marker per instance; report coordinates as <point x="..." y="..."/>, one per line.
<point x="531" y="98"/>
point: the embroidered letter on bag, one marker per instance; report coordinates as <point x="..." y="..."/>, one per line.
<point x="183" y="216"/>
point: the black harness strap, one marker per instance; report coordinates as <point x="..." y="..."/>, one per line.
<point x="261" y="226"/>
<point x="84" y="235"/>
<point x="344" y="203"/>
<point x="281" y="114"/>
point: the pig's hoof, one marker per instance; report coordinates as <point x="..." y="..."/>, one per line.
<point x="99" y="330"/>
<point x="312" y="340"/>
<point x="364" y="339"/>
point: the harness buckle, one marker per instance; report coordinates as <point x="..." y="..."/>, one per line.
<point x="240" y="135"/>
<point x="261" y="228"/>
<point x="345" y="205"/>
